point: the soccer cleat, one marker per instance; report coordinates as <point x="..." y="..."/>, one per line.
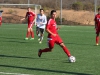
<point x="26" y="38"/>
<point x="39" y="53"/>
<point x="32" y="39"/>
<point x="40" y="42"/>
<point x="97" y="44"/>
<point x="39" y="39"/>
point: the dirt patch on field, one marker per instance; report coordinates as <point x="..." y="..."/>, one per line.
<point x="13" y="15"/>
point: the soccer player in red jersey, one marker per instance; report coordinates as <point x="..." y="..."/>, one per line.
<point x="53" y="37"/>
<point x="1" y="17"/>
<point x="97" y="26"/>
<point x="31" y="19"/>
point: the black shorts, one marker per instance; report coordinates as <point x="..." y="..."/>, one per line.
<point x="41" y="30"/>
<point x="37" y="29"/>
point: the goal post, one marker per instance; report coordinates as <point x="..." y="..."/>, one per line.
<point x="14" y="9"/>
<point x="95" y="7"/>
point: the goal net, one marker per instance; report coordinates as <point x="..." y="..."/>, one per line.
<point x="14" y="12"/>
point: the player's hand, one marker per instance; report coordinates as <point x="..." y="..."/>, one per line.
<point x="58" y="28"/>
<point x="54" y="34"/>
<point x="96" y="29"/>
<point x="41" y="23"/>
<point x="22" y="19"/>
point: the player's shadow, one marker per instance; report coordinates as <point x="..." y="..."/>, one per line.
<point x="16" y="56"/>
<point x="16" y="41"/>
<point x="8" y="38"/>
<point x="23" y="57"/>
<point x="80" y="44"/>
<point x="19" y="40"/>
<point x="44" y="70"/>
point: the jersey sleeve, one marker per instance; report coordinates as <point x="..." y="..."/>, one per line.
<point x="48" y="24"/>
<point x="45" y="20"/>
<point x="26" y="15"/>
<point x="37" y="19"/>
<point x="95" y="19"/>
<point x="33" y="14"/>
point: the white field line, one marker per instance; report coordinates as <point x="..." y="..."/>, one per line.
<point x="13" y="73"/>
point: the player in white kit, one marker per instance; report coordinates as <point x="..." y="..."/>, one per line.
<point x="41" y="22"/>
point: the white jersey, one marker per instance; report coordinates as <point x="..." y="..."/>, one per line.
<point x="0" y="14"/>
<point x="41" y="21"/>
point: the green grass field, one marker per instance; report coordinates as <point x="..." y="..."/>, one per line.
<point x="19" y="57"/>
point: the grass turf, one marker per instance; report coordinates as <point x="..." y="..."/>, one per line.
<point x="20" y="56"/>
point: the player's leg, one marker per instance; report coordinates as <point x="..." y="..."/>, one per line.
<point x="31" y="30"/>
<point x="28" y="31"/>
<point x="32" y="34"/>
<point x="41" y="34"/>
<point x="65" y="49"/>
<point x="60" y="42"/>
<point x="38" y="33"/>
<point x="0" y="21"/>
<point x="28" y="34"/>
<point x="70" y="58"/>
<point x="51" y="46"/>
<point x="97" y="37"/>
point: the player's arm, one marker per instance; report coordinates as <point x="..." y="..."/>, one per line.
<point x="35" y="16"/>
<point x="37" y="19"/>
<point x="58" y="27"/>
<point x="95" y="22"/>
<point x="45" y="20"/>
<point x="24" y="17"/>
<point x="48" y="31"/>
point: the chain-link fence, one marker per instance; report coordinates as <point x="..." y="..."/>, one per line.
<point x="13" y="13"/>
<point x="75" y="12"/>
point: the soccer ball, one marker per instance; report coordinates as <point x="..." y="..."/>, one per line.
<point x="72" y="59"/>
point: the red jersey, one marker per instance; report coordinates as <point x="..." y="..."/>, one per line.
<point x="30" y="16"/>
<point x="52" y="26"/>
<point x="97" y="20"/>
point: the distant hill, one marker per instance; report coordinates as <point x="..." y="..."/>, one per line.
<point x="71" y="17"/>
<point x="50" y="3"/>
<point x="82" y="16"/>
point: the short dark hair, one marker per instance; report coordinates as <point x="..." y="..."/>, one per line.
<point x="1" y="10"/>
<point x="98" y="9"/>
<point x="52" y="11"/>
<point x="41" y="9"/>
<point x="28" y="7"/>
